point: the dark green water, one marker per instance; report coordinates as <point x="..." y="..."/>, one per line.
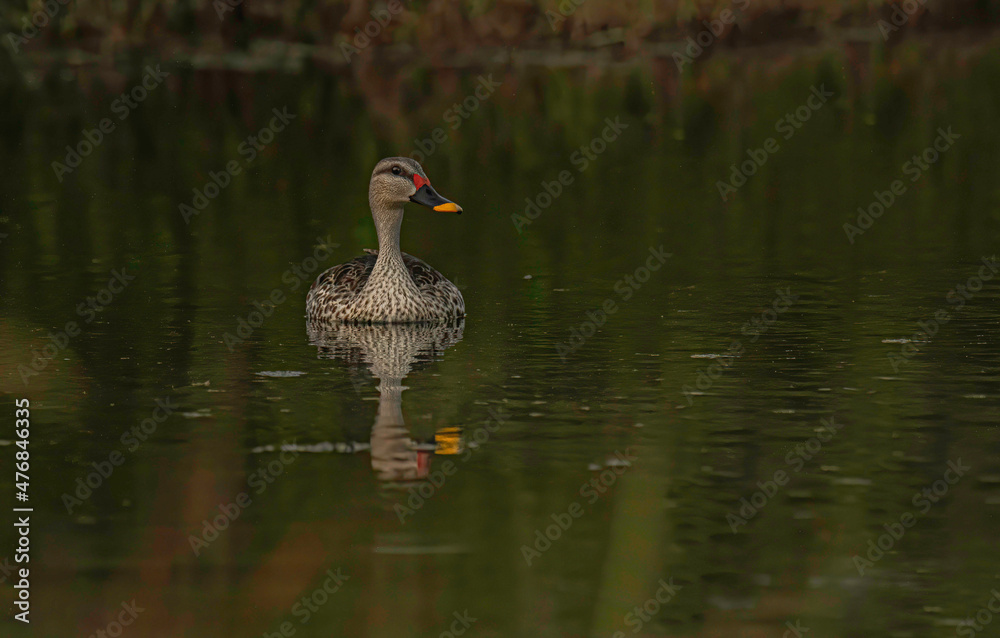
<point x="640" y="440"/>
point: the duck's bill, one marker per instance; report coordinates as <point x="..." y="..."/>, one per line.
<point x="427" y="196"/>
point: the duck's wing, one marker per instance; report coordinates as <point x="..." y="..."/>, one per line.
<point x="435" y="285"/>
<point x="345" y="281"/>
<point x="423" y="275"/>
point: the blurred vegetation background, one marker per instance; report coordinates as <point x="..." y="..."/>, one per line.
<point x="442" y="28"/>
<point x="657" y="185"/>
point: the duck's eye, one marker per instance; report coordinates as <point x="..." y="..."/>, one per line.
<point x="397" y="170"/>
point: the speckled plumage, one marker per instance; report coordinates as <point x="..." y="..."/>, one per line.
<point x="387" y="285"/>
<point x="414" y="293"/>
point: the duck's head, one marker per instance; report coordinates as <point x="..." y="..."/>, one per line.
<point x="397" y="180"/>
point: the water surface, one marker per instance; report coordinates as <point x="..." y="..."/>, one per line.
<point x="427" y="466"/>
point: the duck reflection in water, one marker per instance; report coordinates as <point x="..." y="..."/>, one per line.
<point x="391" y="352"/>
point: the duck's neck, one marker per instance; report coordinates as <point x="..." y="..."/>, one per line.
<point x="387" y="224"/>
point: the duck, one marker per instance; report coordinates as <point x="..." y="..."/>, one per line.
<point x="387" y="285"/>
